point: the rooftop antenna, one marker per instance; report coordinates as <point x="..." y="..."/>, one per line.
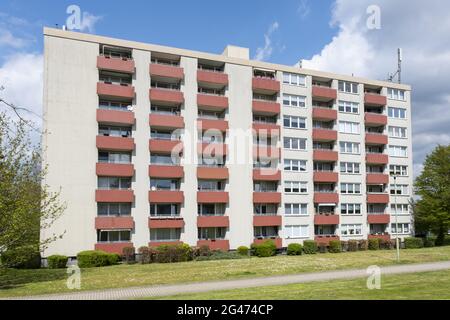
<point x="398" y="73"/>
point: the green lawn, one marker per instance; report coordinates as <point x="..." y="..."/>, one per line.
<point x="425" y="285"/>
<point x="44" y="281"/>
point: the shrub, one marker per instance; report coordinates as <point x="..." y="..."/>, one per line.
<point x="145" y="256"/>
<point x="309" y="246"/>
<point x="428" y="243"/>
<point x="344" y="245"/>
<point x="96" y="258"/>
<point x="221" y="255"/>
<point x="294" y="249"/>
<point x="265" y="249"/>
<point x="323" y="248"/>
<point x="202" y="251"/>
<point x="128" y="254"/>
<point x="24" y="257"/>
<point x="335" y="246"/>
<point x="243" y="250"/>
<point x="447" y="240"/>
<point x="413" y="243"/>
<point x="386" y="244"/>
<point x="113" y="258"/>
<point x="173" y="253"/>
<point x="57" y="262"/>
<point x="363" y="245"/>
<point x="352" y="245"/>
<point x="374" y="244"/>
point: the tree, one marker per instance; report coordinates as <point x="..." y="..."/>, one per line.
<point x="432" y="210"/>
<point x="26" y="202"/>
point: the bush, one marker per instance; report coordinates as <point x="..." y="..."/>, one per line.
<point x="428" y="243"/>
<point x="335" y="246"/>
<point x="128" y="254"/>
<point x="57" y="262"/>
<point x="413" y="243"/>
<point x="352" y="245"/>
<point x="387" y="244"/>
<point x="96" y="258"/>
<point x="374" y="244"/>
<point x="145" y="256"/>
<point x="24" y="257"/>
<point x="202" y="251"/>
<point x="344" y="246"/>
<point x="447" y="240"/>
<point x="243" y="250"/>
<point x="294" y="249"/>
<point x="221" y="255"/>
<point x="323" y="248"/>
<point x="265" y="249"/>
<point x="173" y="253"/>
<point x="309" y="247"/>
<point x="363" y="245"/>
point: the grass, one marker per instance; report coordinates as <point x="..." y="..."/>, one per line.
<point x="46" y="281"/>
<point x="419" y="286"/>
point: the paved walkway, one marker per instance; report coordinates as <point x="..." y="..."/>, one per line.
<point x="166" y="290"/>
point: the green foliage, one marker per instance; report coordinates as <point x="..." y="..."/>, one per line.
<point x="352" y="245"/>
<point x="128" y="254"/>
<point x="96" y="258"/>
<point x="24" y="257"/>
<point x="173" y="253"/>
<point x="323" y="248"/>
<point x="387" y="244"/>
<point x="57" y="262"/>
<point x="428" y="243"/>
<point x="221" y="255"/>
<point x="310" y="246"/>
<point x="374" y="244"/>
<point x="294" y="249"/>
<point x="363" y="245"/>
<point x="413" y="243"/>
<point x="335" y="246"/>
<point x="243" y="250"/>
<point x="265" y="249"/>
<point x="202" y="251"/>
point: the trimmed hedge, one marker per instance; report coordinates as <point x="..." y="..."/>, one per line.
<point x="335" y="246"/>
<point x="243" y="250"/>
<point x="265" y="249"/>
<point x="173" y="253"/>
<point x="374" y="244"/>
<point x="352" y="245"/>
<point x="96" y="258"/>
<point x="24" y="257"/>
<point x="294" y="249"/>
<point x="413" y="243"/>
<point x="57" y="262"/>
<point x="310" y="247"/>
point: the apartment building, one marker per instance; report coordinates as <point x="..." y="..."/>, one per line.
<point x="152" y="145"/>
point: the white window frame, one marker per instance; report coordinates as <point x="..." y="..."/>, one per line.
<point x="350" y="167"/>
<point x="294" y="101"/>
<point x="349" y="127"/>
<point x="294" y="79"/>
<point x="351" y="229"/>
<point x="398" y="132"/>
<point x="348" y="107"/>
<point x="290" y="186"/>
<point x="296" y="231"/>
<point x="354" y="146"/>
<point x="396" y="113"/>
<point x="347" y="87"/>
<point x="405" y="228"/>
<point x="300" y="164"/>
<point x="300" y="121"/>
<point x="398" y="151"/>
<point x="402" y="188"/>
<point x="291" y="208"/>
<point x="404" y="209"/>
<point x="400" y="170"/>
<point x="346" y="189"/>
<point x="291" y="143"/>
<point x="351" y="209"/>
<point x="396" y="94"/>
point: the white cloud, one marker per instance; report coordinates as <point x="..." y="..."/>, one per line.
<point x="88" y="22"/>
<point x="372" y="53"/>
<point x="303" y="9"/>
<point x="264" y="53"/>
<point x="9" y="40"/>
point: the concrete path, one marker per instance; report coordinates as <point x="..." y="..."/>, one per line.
<point x="166" y="290"/>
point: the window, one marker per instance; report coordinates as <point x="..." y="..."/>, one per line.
<point x="112" y="183"/>
<point x="113" y="209"/>
<point x="114" y="105"/>
<point x="295" y="187"/>
<point x="114" y="157"/>
<point x="400" y="228"/>
<point x="265" y="186"/>
<point x="349" y="167"/>
<point x="290" y="100"/>
<point x="293" y="232"/>
<point x="294" y="143"/>
<point x="114" y="236"/>
<point x="348" y="107"/>
<point x="349" y="147"/>
<point x="396" y="113"/>
<point x="164" y="184"/>
<point x="350" y="208"/>
<point x="161" y="159"/>
<point x="351" y="188"/>
<point x="211" y="209"/>
<point x="396" y="94"/>
<point x="210" y="185"/>
<point x="294" y="79"/>
<point x="348" y="127"/>
<point x="164" y="210"/>
<point x="165" y="110"/>
<point x="351" y="229"/>
<point x="211" y="233"/>
<point x="293" y="122"/>
<point x="112" y="131"/>
<point x="294" y="165"/>
<point x="265" y="232"/>
<point x="399" y="189"/>
<point x="398" y="170"/>
<point x="161" y="235"/>
<point x="323" y="166"/>
<point x="295" y="209"/>
<point x="400" y="208"/>
<point x="397" y="132"/>
<point x="348" y="87"/>
<point x="397" y="151"/>
<point x="265" y="209"/>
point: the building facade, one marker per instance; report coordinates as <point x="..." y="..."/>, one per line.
<point x="151" y="145"/>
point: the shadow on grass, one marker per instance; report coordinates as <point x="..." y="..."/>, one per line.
<point x="15" y="278"/>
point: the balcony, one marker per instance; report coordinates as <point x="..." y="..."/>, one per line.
<point x="161" y="171"/>
<point x="114" y="196"/>
<point x="166" y="121"/>
<point x="374" y="138"/>
<point x="375" y="119"/>
<point x="385" y="237"/>
<point x="212" y="102"/>
<point x="266" y="129"/>
<point x="267" y="221"/>
<point x="325" y="176"/>
<point x="115" y="90"/>
<point x="266" y="174"/>
<point x="115" y="64"/>
<point x="213" y="221"/>
<point x="324" y="135"/>
<point x="325" y="114"/>
<point x="324" y="219"/>
<point x="326" y="197"/>
<point x="270" y="108"/>
<point x="377" y="198"/>
<point x="212" y="197"/>
<point x="162" y="196"/>
<point x="114" y="223"/>
<point x="266" y="197"/>
<point x="378" y="218"/>
<point x="325" y="239"/>
<point x="113" y="247"/>
<point x="325" y="155"/>
<point x="115" y="143"/>
<point x="209" y="124"/>
<point x="323" y="93"/>
<point x="263" y="151"/>
<point x="166" y="71"/>
<point x="212" y="149"/>
<point x="377" y="178"/>
<point x="374" y="99"/>
<point x="114" y="170"/>
<point x="377" y="158"/>
<point x="166" y="96"/>
<point x="217" y="244"/>
<point x="166" y="146"/>
<point x="165" y="223"/>
<point x="115" y="117"/>
<point x="278" y="241"/>
<point x="265" y="85"/>
<point x="209" y="173"/>
<point x="212" y="77"/>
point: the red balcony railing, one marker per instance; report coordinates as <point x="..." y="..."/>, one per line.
<point x="207" y="173"/>
<point x="325" y="155"/>
<point x="322" y="219"/>
<point x="166" y="96"/>
<point x="266" y="197"/>
<point x="217" y="244"/>
<point x="161" y="171"/>
<point x="161" y="196"/>
<point x="323" y="93"/>
<point x="324" y="114"/>
<point x="377" y="178"/>
<point x="266" y="107"/>
<point x="375" y="99"/>
<point x="115" y="90"/>
<point x="373" y="138"/>
<point x="213" y="221"/>
<point x="324" y="176"/>
<point x="115" y="196"/>
<point x="326" y="197"/>
<point x="113" y="223"/>
<point x="166" y="121"/>
<point x="115" y="64"/>
<point x="266" y="221"/>
<point x="166" y="71"/>
<point x="324" y="135"/>
<point x="268" y="174"/>
<point x="115" y="117"/>
<point x="378" y="198"/>
<point x="115" y="143"/>
<point x="212" y="197"/>
<point x="265" y="85"/>
<point x="212" y="101"/>
<point x="210" y="124"/>
<point x="114" y="170"/>
<point x="217" y="78"/>
<point x="375" y="119"/>
<point x="165" y="223"/>
<point x="378" y="218"/>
